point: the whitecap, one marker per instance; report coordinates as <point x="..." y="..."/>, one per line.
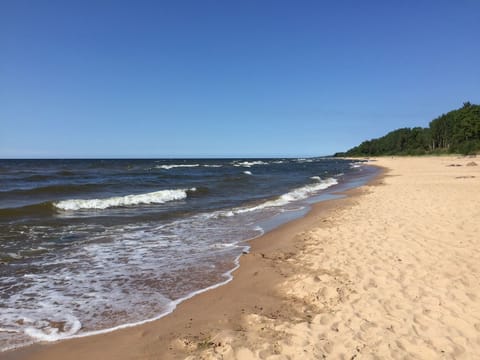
<point x="173" y="166"/>
<point x="304" y="160"/>
<point x="356" y="165"/>
<point x="157" y="197"/>
<point x="249" y="163"/>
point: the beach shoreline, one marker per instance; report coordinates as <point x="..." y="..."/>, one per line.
<point x="259" y="245"/>
<point x="355" y="276"/>
<point x="66" y="273"/>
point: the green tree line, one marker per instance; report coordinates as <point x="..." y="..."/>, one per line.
<point x="457" y="131"/>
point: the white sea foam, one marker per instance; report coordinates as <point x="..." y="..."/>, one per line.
<point x="213" y="166"/>
<point x="48" y="332"/>
<point x="168" y="167"/>
<point x="356" y="165"/>
<point x="247" y="172"/>
<point x="249" y="163"/>
<point x="157" y="197"/>
<point x="295" y="195"/>
<point x="48" y="318"/>
<point x="304" y="160"/>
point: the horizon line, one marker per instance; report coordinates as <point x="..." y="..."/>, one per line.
<point x="167" y="157"/>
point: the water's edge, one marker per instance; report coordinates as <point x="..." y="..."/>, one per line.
<point x="334" y="192"/>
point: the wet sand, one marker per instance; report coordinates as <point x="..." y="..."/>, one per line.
<point x="391" y="271"/>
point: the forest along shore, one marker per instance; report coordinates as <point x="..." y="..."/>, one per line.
<point x="456" y="132"/>
<point x="389" y="272"/>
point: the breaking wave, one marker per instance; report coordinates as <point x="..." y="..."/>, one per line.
<point x="157" y="197"/>
<point x="173" y="166"/>
<point x="297" y="194"/>
<point x="294" y="195"/>
<point x="249" y="163"/>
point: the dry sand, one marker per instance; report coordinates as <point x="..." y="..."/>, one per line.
<point x="393" y="271"/>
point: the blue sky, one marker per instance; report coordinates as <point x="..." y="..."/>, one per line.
<point x="227" y="78"/>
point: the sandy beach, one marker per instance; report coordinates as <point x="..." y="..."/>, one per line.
<point x="390" y="272"/>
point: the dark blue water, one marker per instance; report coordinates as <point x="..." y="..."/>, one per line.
<point x="91" y="245"/>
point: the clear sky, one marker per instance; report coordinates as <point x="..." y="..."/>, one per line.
<point x="228" y="78"/>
